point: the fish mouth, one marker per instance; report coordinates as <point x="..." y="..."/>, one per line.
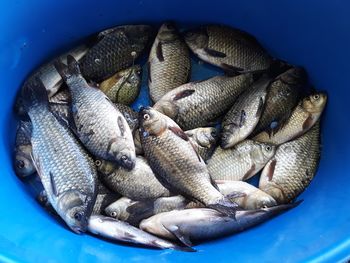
<point x="128" y="164"/>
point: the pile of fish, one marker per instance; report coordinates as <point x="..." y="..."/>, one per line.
<point x="171" y="175"/>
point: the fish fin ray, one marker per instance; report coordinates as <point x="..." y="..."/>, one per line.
<point x="179" y="235"/>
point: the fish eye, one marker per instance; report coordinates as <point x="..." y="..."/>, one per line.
<point x="268" y="148"/>
<point x="98" y="162"/>
<point x="316" y="96"/>
<point x="20" y="164"/>
<point x="78" y="216"/>
<point x="114" y="214"/>
<point x="146" y="117"/>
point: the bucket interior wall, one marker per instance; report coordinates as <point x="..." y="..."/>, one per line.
<point x="313" y="34"/>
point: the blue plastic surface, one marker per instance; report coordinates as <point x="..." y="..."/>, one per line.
<point x="314" y="34"/>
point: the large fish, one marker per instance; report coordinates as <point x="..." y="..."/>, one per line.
<point x="116" y="50"/>
<point x="199" y="104"/>
<point x="244" y="115"/>
<point x="204" y="141"/>
<point x="22" y="162"/>
<point x="169" y="64"/>
<point x="293" y="167"/>
<point x="240" y="162"/>
<point x="138" y="184"/>
<point x="120" y="231"/>
<point x="124" y="86"/>
<point x="65" y="169"/>
<point x="176" y="163"/>
<point x="283" y="95"/>
<point x="228" y="48"/>
<point x="302" y="119"/>
<point x="99" y="125"/>
<point x="194" y="225"/>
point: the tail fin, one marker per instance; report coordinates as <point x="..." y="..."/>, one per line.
<point x="225" y="206"/>
<point x="65" y="71"/>
<point x="34" y="94"/>
<point x="140" y="211"/>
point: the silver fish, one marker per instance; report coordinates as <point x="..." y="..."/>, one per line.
<point x="198" y="224"/>
<point x="119" y="231"/>
<point x="294" y="166"/>
<point x="169" y="64"/>
<point x="65" y="169"/>
<point x="99" y="125"/>
<point x="199" y="104"/>
<point x="240" y="162"/>
<point x="244" y="115"/>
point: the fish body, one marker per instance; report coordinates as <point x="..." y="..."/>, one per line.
<point x="199" y="104"/>
<point x="104" y="198"/>
<point x="66" y="170"/>
<point x="244" y="115"/>
<point x="124" y="86"/>
<point x="176" y="163"/>
<point x="22" y="162"/>
<point x="169" y="62"/>
<point x="98" y="123"/>
<point x="116" y="50"/>
<point x="130" y="116"/>
<point x="204" y="141"/>
<point x="199" y="224"/>
<point x="283" y="95"/>
<point x="302" y="119"/>
<point x="240" y="162"/>
<point x="230" y="49"/>
<point x="120" y="231"/>
<point x="138" y="184"/>
<point x="291" y="170"/>
<point x="60" y="104"/>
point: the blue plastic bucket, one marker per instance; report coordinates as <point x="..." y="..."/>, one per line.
<point x="314" y="34"/>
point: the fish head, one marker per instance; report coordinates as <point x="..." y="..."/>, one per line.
<point x="134" y="78"/>
<point x="75" y="208"/>
<point x="124" y="154"/>
<point x="167" y="32"/>
<point x="315" y="103"/>
<point x="259" y="199"/>
<point x="230" y="136"/>
<point x="206" y="137"/>
<point x="197" y="38"/>
<point x="23" y="163"/>
<point x="167" y="107"/>
<point x="152" y="122"/>
<point x="118" y="209"/>
<point x="268" y="151"/>
<point x="105" y="167"/>
<point x="294" y="76"/>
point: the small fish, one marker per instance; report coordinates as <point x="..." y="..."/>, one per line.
<point x="97" y="122"/>
<point x="204" y="141"/>
<point x="176" y="163"/>
<point x="119" y="231"/>
<point x="133" y="212"/>
<point x="303" y="117"/>
<point x="48" y="74"/>
<point x="194" y="225"/>
<point x="244" y="115"/>
<point x="231" y="49"/>
<point x="199" y="104"/>
<point x="250" y="197"/>
<point x="124" y="86"/>
<point x="169" y="62"/>
<point x="23" y="163"/>
<point x="65" y="169"/>
<point x="240" y="162"/>
<point x="138" y="184"/>
<point x="117" y="49"/>
<point x="283" y="95"/>
<point x="294" y="166"/>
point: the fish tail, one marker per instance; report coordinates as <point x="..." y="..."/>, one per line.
<point x="69" y="71"/>
<point x="139" y="211"/>
<point x="184" y="249"/>
<point x="34" y="94"/>
<point x="225" y="206"/>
